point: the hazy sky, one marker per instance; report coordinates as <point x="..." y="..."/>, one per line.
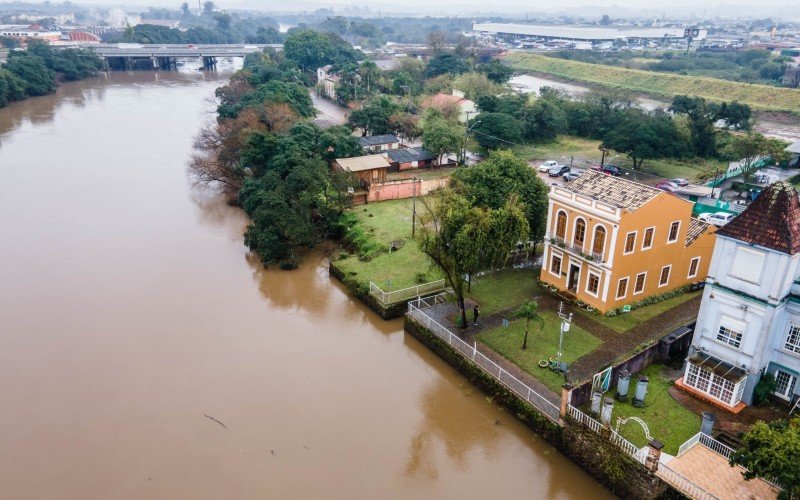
<point x="785" y="9"/>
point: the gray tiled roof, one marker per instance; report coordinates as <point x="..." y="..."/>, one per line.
<point x="377" y="140"/>
<point x="410" y="154"/>
<point x="621" y="193"/>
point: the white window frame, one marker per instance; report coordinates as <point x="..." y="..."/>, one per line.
<point x="589" y="275"/>
<point x="560" y="256"/>
<point x="661" y="273"/>
<point x="733" y="268"/>
<point x="696" y="269"/>
<point x="644" y="283"/>
<point x="733" y="328"/>
<point x="707" y="382"/>
<point x="788" y="345"/>
<point x="652" y="238"/>
<point x="791" y="385"/>
<point x="627" y="284"/>
<point x="677" y="233"/>
<point x="625" y="243"/>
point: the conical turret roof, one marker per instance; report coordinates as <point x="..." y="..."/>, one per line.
<point x="771" y="221"/>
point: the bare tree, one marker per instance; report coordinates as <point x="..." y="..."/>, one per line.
<point x="437" y="41"/>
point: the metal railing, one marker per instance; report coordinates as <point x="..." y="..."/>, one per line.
<point x="415" y="310"/>
<point x="685" y="486"/>
<point x="413" y="292"/>
<point x="569" y="246"/>
<point x="717" y="447"/>
<point x="638" y="454"/>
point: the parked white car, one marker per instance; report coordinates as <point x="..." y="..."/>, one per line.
<point x="718" y="219"/>
<point x="544" y="167"/>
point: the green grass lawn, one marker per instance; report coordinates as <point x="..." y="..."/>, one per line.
<point x="504" y="289"/>
<point x="625" y="321"/>
<point x="666" y="85"/>
<point x="507" y="341"/>
<point x="584" y="152"/>
<point x="668" y="421"/>
<point x="388" y="221"/>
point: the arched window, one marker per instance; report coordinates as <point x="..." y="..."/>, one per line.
<point x="599" y="240"/>
<point x="580" y="232"/>
<point x="561" y="225"/>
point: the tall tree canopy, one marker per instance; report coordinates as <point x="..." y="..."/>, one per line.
<point x="502" y="175"/>
<point x="772" y="451"/>
<point x="373" y="117"/>
<point x="461" y="239"/>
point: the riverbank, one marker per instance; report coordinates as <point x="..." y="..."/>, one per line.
<point x="662" y="85"/>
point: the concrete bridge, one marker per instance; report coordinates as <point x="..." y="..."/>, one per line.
<point x="165" y="56"/>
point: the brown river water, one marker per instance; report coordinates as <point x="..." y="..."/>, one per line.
<point x="131" y="315"/>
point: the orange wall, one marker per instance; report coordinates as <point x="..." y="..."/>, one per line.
<point x="659" y="212"/>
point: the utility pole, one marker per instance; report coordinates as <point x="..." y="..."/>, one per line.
<point x="467" y="130"/>
<point x="413" y="206"/>
<point x="565" y="322"/>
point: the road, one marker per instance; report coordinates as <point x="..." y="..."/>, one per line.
<point x="328" y="112"/>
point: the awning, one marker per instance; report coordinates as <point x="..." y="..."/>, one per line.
<point x="718" y="367"/>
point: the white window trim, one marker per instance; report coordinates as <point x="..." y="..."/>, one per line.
<point x="627" y="285"/>
<point x="696" y="269"/>
<point x="560" y="255"/>
<point x="652" y="239"/>
<point x="644" y="283"/>
<point x="669" y="275"/>
<point x="735" y="326"/>
<point x="625" y="242"/>
<point x="786" y="341"/>
<point x="589" y="274"/>
<point x="677" y="234"/>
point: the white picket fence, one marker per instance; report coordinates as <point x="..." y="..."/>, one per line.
<point x="415" y="310"/>
<point x="668" y="475"/>
<point x="638" y="454"/>
<point x="413" y="292"/>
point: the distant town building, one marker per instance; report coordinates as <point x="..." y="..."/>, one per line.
<point x="27" y="32"/>
<point x="749" y="319"/>
<point x="611" y="242"/>
<point x="327" y="82"/>
<point x="591" y="34"/>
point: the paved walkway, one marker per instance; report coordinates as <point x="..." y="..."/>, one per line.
<point x="617" y="344"/>
<point x="442" y="314"/>
<point x="712" y="472"/>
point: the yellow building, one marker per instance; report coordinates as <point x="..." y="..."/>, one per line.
<point x="612" y="242"/>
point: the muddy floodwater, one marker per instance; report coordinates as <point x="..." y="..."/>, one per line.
<point x="144" y="354"/>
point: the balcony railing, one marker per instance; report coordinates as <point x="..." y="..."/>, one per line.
<point x="575" y="249"/>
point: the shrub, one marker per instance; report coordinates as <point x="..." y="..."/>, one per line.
<point x="764" y="389"/>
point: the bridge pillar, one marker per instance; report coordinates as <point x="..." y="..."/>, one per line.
<point x="209" y="62"/>
<point x="156" y="62"/>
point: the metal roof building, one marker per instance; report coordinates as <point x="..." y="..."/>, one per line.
<point x="581" y="33"/>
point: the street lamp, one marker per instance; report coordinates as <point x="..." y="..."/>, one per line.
<point x="566" y="319"/>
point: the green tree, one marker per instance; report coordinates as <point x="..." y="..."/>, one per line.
<point x="369" y="73"/>
<point x="544" y="120"/>
<point x="502" y="175"/>
<point x="644" y="136"/>
<point x="185" y="9"/>
<point x="308" y="48"/>
<point x="32" y="70"/>
<point x="529" y="310"/>
<point x="373" y="117"/>
<point x="444" y="63"/>
<point x="461" y="239"/>
<point x="405" y="126"/>
<point x="496" y="71"/>
<point x="498" y="130"/>
<point x="703" y="117"/>
<point x="772" y="451"/>
<point x="441" y="137"/>
<point x="747" y="149"/>
<point x="208" y="7"/>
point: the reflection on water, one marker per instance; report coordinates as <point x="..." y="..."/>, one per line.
<point x="132" y="313"/>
